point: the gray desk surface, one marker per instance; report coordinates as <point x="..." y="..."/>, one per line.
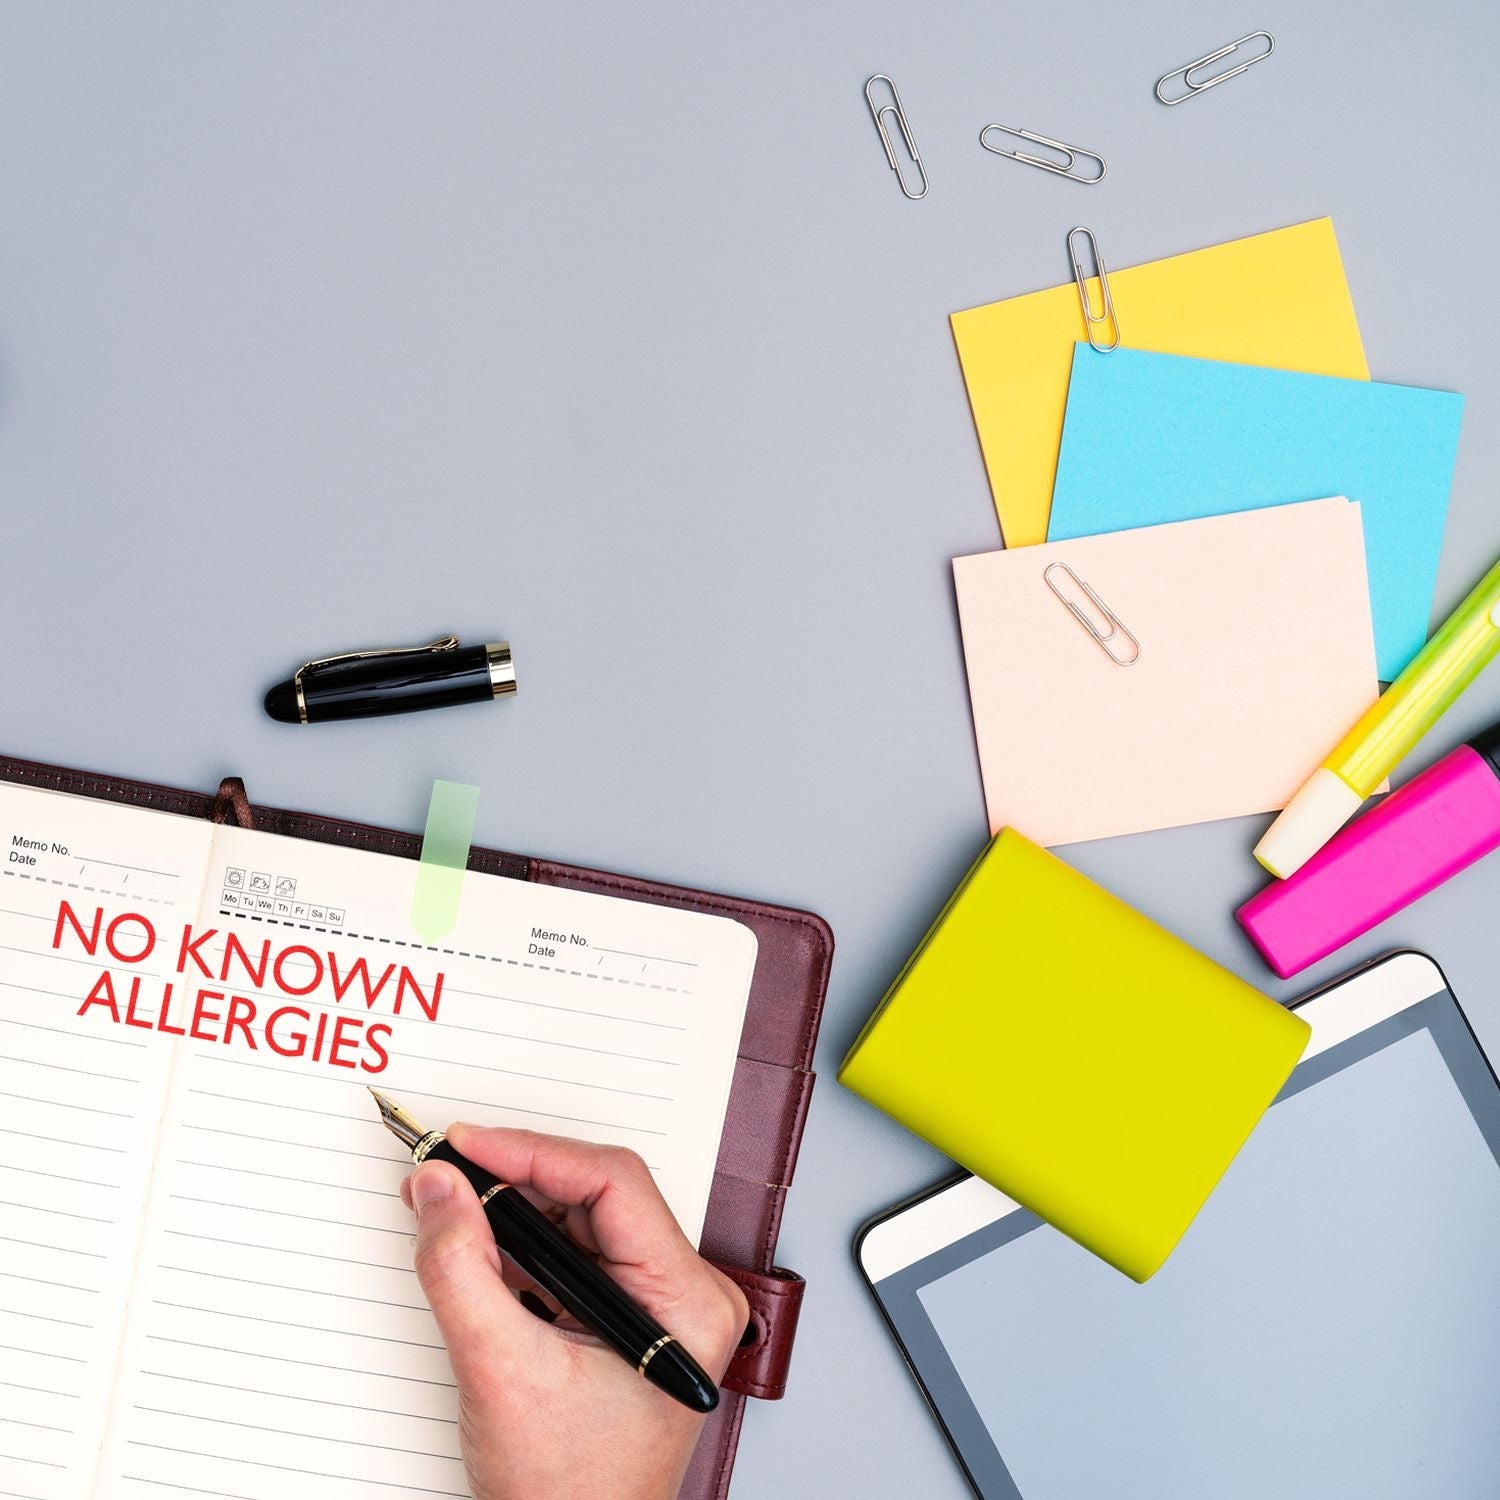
<point x="605" y="327"/>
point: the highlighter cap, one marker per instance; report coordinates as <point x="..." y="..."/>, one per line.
<point x="1323" y="805"/>
<point x="1487" y="744"/>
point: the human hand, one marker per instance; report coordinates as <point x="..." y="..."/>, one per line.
<point x="547" y="1411"/>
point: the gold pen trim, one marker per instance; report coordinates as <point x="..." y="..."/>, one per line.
<point x="442" y="643"/>
<point x="426" y="1144"/>
<point x="485" y="1197"/>
<point x="502" y="668"/>
<point x="650" y="1354"/>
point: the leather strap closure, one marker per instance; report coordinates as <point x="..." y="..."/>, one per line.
<point x="759" y="1366"/>
<point x="232" y="804"/>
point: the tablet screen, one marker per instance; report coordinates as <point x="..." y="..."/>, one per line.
<point x="1330" y="1325"/>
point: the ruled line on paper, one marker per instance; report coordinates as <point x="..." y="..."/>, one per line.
<point x="454" y="1062"/>
<point x="348" y="1333"/>
<point x="65" y="1286"/>
<point x="388" y="1484"/>
<point x="115" y="1114"/>
<point x="577" y="1083"/>
<point x="78" y="885"/>
<point x="316" y="1437"/>
<point x="65" y="1249"/>
<point x="71" y="1359"/>
<point x="286" y="1213"/>
<point x="342" y="1187"/>
<point x="311" y="1364"/>
<point x="92" y="961"/>
<point x="251" y="1390"/>
<point x="302" y="1109"/>
<point x="32" y="989"/>
<point x="57" y="1140"/>
<point x="36" y="1208"/>
<point x="45" y="1318"/>
<point x="37" y="1390"/>
<point x="397" y="1158"/>
<point x="540" y="1041"/>
<point x="77" y="1033"/>
<point x="654" y="958"/>
<point x="311" y="1291"/>
<point x="374" y="1265"/>
<point x="271" y="1140"/>
<point x="6" y="1166"/>
<point x="571" y="1010"/>
<point x="191" y="1489"/>
<point x="115" y="864"/>
<point x="514" y="1109"/>
<point x="33" y="1062"/>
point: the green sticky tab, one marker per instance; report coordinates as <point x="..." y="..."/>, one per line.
<point x="445" y="855"/>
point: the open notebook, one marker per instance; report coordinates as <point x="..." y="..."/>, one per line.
<point x="205" y="1274"/>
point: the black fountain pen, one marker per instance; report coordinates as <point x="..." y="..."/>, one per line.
<point x="560" y="1268"/>
<point x="395" y="680"/>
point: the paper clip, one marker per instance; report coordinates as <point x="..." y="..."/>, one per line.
<point x="1063" y="169"/>
<point x="1107" y="315"/>
<point x="1103" y="638"/>
<point x="1194" y="87"/>
<point x="878" y="112"/>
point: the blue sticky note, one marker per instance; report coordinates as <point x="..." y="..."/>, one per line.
<point x="1151" y="438"/>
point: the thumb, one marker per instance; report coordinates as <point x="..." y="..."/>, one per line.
<point x="486" y="1330"/>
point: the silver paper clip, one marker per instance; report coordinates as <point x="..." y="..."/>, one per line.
<point x="1063" y="169"/>
<point x="878" y="112"/>
<point x="1194" y="87"/>
<point x="1115" y="626"/>
<point x="1107" y="314"/>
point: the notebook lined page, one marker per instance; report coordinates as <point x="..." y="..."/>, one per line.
<point x="81" y="1097"/>
<point x="279" y="1341"/>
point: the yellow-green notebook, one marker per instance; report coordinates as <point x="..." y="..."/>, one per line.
<point x="1068" y="1050"/>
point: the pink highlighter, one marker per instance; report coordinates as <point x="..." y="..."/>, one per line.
<point x="1439" y="823"/>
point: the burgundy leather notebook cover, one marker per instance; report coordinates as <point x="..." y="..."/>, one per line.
<point x="773" y="1077"/>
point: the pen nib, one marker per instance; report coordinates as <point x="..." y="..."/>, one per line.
<point x="396" y="1120"/>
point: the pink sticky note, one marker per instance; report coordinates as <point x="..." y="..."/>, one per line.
<point x="1249" y="647"/>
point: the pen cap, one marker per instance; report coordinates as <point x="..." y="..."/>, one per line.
<point x="1439" y="823"/>
<point x="1487" y="744"/>
<point x="502" y="668"/>
<point x="1323" y="804"/>
<point x="394" y="680"/>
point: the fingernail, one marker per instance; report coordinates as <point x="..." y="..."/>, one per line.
<point x="428" y="1186"/>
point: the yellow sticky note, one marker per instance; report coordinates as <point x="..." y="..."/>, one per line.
<point x="1277" y="299"/>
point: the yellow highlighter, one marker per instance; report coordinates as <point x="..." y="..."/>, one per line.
<point x="1463" y="644"/>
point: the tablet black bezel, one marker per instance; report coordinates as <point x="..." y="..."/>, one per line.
<point x="896" y="1296"/>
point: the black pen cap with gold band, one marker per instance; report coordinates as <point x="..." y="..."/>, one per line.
<point x="395" y="680"/>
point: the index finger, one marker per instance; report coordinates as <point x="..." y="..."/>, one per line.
<point x="628" y="1216"/>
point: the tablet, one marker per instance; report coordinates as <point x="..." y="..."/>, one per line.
<point x="1329" y="1326"/>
